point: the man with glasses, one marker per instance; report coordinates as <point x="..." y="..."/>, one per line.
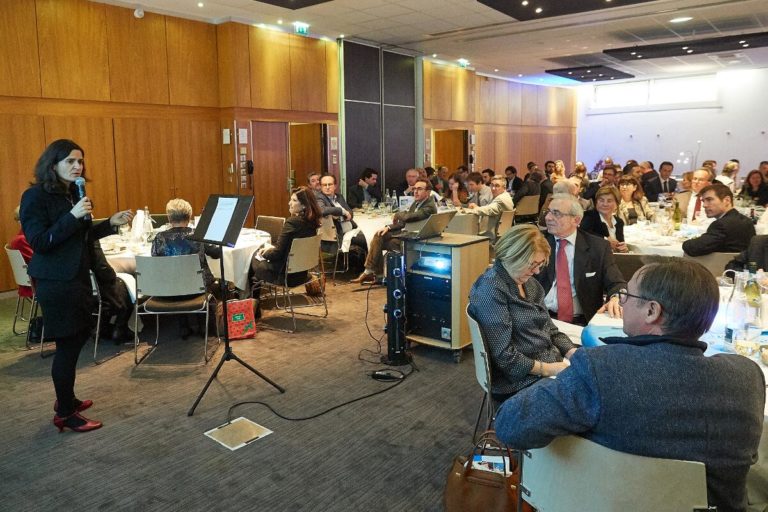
<point x="581" y="269"/>
<point x="689" y="201"/>
<point x="654" y="393"/>
<point x="422" y="207"/>
<point x="502" y="202"/>
<point x="334" y="205"/>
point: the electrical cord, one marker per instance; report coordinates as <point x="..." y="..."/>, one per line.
<point x="338" y="406"/>
<point x="367" y="327"/>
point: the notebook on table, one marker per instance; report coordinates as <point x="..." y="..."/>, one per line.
<point x="434" y="227"/>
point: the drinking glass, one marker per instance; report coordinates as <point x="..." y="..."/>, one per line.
<point x="125" y="231"/>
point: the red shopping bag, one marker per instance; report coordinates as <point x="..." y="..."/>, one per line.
<point x="241" y="322"/>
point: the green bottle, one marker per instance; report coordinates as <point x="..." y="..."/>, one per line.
<point x="677" y="216"/>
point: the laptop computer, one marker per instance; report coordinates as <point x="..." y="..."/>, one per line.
<point x="434" y="227"/>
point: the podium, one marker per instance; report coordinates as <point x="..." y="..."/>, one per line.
<point x="439" y="275"/>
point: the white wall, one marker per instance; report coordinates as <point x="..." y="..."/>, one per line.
<point x="662" y="135"/>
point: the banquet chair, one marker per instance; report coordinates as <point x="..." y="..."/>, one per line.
<point x="573" y="470"/>
<point x="328" y="233"/>
<point x="527" y="208"/>
<point x="130" y="283"/>
<point x="482" y="373"/>
<point x="272" y="225"/>
<point x="303" y="256"/>
<point x="463" y="225"/>
<point x="170" y="285"/>
<point x="158" y="219"/>
<point x="714" y="262"/>
<point x="630" y="263"/>
<point x="505" y="223"/>
<point x="19" y="268"/>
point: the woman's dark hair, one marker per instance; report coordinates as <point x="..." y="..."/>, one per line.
<point x="747" y="185"/>
<point x="638" y="194"/>
<point x="45" y="175"/>
<point x="307" y="198"/>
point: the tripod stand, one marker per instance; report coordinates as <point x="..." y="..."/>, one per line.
<point x="240" y="211"/>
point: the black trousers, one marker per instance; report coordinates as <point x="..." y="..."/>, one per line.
<point x="64" y="368"/>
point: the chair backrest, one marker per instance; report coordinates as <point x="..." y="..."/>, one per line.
<point x="482" y="363"/>
<point x="272" y="225"/>
<point x="714" y="262"/>
<point x="463" y="225"/>
<point x="159" y="219"/>
<point x="505" y="223"/>
<point x="304" y="254"/>
<point x="19" y="267"/>
<point x="327" y="230"/>
<point x="630" y="263"/>
<point x="528" y="205"/>
<point x="168" y="276"/>
<point x="95" y="286"/>
<point x="575" y="473"/>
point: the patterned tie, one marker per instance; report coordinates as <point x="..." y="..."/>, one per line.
<point x="697" y="208"/>
<point x="564" y="292"/>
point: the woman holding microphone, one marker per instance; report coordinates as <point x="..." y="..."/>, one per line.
<point x="57" y="223"/>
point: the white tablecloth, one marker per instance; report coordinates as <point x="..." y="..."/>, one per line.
<point x="645" y="239"/>
<point x="237" y="260"/>
<point x="370" y="224"/>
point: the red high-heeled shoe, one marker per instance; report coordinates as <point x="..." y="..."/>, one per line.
<point x="79" y="406"/>
<point x="76" y="423"/>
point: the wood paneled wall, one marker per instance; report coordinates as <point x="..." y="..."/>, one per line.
<point x="146" y="98"/>
<point x="513" y="123"/>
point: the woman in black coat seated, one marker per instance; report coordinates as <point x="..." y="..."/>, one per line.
<point x="755" y="189"/>
<point x="268" y="263"/>
<point x="603" y="221"/>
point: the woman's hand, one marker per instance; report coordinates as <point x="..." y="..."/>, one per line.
<point x="82" y="208"/>
<point x="552" y="369"/>
<point x="120" y="218"/>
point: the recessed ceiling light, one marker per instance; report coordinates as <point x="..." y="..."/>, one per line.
<point x="341" y="36"/>
<point x="519" y="76"/>
<point x="685" y="47"/>
<point x="570" y="72"/>
<point x="261" y="25"/>
<point x="639" y="56"/>
<point x="495" y="70"/>
<point x="279" y="22"/>
<point x="589" y="71"/>
<point x="745" y="45"/>
<point x="594" y="79"/>
<point x="434" y="55"/>
<point x="611" y="78"/>
<point x="632" y="53"/>
<point x="689" y="51"/>
<point x="742" y="41"/>
<point x="600" y="74"/>
<point x="538" y="10"/>
<point x="200" y="4"/>
<point x="681" y="19"/>
<point x="525" y="2"/>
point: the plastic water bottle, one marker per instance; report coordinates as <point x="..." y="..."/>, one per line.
<point x="147" y="228"/>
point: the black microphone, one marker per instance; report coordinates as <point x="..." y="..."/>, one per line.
<point x="80" y="184"/>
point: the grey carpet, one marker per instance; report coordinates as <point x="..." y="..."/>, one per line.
<point x="387" y="453"/>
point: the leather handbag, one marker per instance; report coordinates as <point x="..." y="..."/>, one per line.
<point x="316" y="286"/>
<point x="469" y="489"/>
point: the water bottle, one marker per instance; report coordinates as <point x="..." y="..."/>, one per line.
<point x="735" y="312"/>
<point x="147" y="228"/>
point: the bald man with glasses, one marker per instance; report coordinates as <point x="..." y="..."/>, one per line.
<point x="581" y="269"/>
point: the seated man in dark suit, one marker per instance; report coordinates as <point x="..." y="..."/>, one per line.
<point x="609" y="180"/>
<point x="581" y="269"/>
<point x="757" y="252"/>
<point x="422" y="207"/>
<point x="650" y="181"/>
<point x="668" y="183"/>
<point x="333" y="205"/>
<point x="730" y="232"/>
<point x="654" y="394"/>
<point x="365" y="190"/>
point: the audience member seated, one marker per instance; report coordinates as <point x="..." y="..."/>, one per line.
<point x="268" y="263"/>
<point x="603" y="222"/>
<point x="118" y="305"/>
<point x="654" y="394"/>
<point x="479" y="193"/>
<point x="513" y="182"/>
<point x="422" y="207"/>
<point x="634" y="206"/>
<point x="686" y="180"/>
<point x="365" y="190"/>
<point x="756" y="252"/>
<point x="313" y="179"/>
<point x="581" y="269"/>
<point x="755" y="189"/>
<point x="333" y="205"/>
<point x="406" y="187"/>
<point x="730" y="232"/>
<point x="576" y="187"/>
<point x="690" y="202"/>
<point x="728" y="175"/>
<point x="668" y="183"/>
<point x="523" y="343"/>
<point x="650" y="182"/>
<point x="19" y="243"/>
<point x="608" y="180"/>
<point x="502" y="202"/>
<point x="530" y="187"/>
<point x="457" y="192"/>
<point x="487" y="175"/>
<point x="545" y="187"/>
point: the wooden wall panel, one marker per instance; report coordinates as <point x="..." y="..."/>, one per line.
<point x="94" y="135"/>
<point x="515" y="105"/>
<point x="530" y="148"/>
<point x="463" y="95"/>
<point x="529" y="105"/>
<point x="485" y="147"/>
<point x="144" y="163"/>
<point x="19" y="61"/>
<point x="234" y="65"/>
<point x="441" y="91"/>
<point x="450" y="148"/>
<point x="508" y="147"/>
<point x="270" y="76"/>
<point x="306" y="146"/>
<point x="485" y="103"/>
<point x="332" y="76"/>
<point x="72" y="36"/>
<point x="556" y="107"/>
<point x="196" y="172"/>
<point x="426" y="86"/>
<point x="192" y="62"/>
<point x="501" y="110"/>
<point x="270" y="150"/>
<point x="308" y="74"/>
<point x="138" y="61"/>
<point x="23" y="140"/>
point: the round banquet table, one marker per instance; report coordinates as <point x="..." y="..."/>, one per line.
<point x="646" y="239"/>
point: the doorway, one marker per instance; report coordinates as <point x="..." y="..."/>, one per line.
<point x="450" y="148"/>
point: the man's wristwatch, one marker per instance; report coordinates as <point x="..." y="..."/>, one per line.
<point x="616" y="295"/>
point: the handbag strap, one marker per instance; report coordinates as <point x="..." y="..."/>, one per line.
<point x="487" y="438"/>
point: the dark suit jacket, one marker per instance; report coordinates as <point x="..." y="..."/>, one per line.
<point x="514" y="185"/>
<point x="756" y="252"/>
<point x="60" y="241"/>
<point x="357" y="195"/>
<point x="546" y="188"/>
<point x="730" y="233"/>
<point x="591" y="223"/>
<point x="528" y="188"/>
<point x="593" y="258"/>
<point x="328" y="208"/>
<point x="651" y="183"/>
<point x="294" y="227"/>
<point x="672" y="185"/>
<point x="427" y="208"/>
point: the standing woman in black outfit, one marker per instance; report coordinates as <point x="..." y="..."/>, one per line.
<point x="54" y="221"/>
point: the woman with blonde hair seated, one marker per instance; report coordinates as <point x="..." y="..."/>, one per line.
<point x="523" y="343"/>
<point x="634" y="206"/>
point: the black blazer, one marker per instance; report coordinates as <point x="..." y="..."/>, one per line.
<point x="595" y="272"/>
<point x="672" y="185"/>
<point x="294" y="227"/>
<point x="591" y="223"/>
<point x="528" y="188"/>
<point x="730" y="233"/>
<point x="357" y="195"/>
<point x="545" y="188"/>
<point x="60" y="241"/>
<point x="757" y="252"/>
<point x="328" y="208"/>
<point x="651" y="183"/>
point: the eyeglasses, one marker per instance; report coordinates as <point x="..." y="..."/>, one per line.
<point x="537" y="265"/>
<point x="626" y="184"/>
<point x="557" y="213"/>
<point x="419" y="188"/>
<point x="624" y="295"/>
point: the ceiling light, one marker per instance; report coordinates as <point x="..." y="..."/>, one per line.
<point x="589" y="71"/>
<point x="341" y="36"/>
<point x="681" y="19"/>
<point x="632" y="53"/>
<point x="570" y="72"/>
<point x="639" y="56"/>
<point x="200" y="4"/>
<point x="496" y="70"/>
<point x="685" y="47"/>
<point x="519" y="76"/>
<point x="434" y="55"/>
<point x="689" y="51"/>
<point x="742" y="41"/>
<point x="611" y="78"/>
<point x="538" y="10"/>
<point x="525" y="2"/>
<point x="745" y="45"/>
<point x="279" y="22"/>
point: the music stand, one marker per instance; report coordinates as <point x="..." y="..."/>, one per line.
<point x="220" y="224"/>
